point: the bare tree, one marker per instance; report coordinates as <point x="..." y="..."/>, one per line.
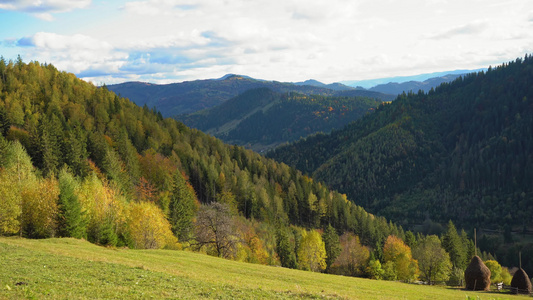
<point x="215" y="229"/>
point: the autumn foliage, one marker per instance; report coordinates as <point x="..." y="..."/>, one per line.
<point x="396" y="252"/>
<point x="148" y="227"/>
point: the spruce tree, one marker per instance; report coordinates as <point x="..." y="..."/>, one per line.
<point x="4" y="121"/>
<point x="285" y="250"/>
<point x="452" y="243"/>
<point x="71" y="221"/>
<point x="332" y="244"/>
<point x="182" y="207"/>
<point x="50" y="138"/>
<point x="76" y="151"/>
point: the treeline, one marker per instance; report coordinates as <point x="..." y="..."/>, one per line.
<point x="264" y="117"/>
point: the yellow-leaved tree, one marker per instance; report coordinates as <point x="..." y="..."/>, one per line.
<point x="39" y="208"/>
<point x="148" y="228"/>
<point x="17" y="172"/>
<point x="312" y="252"/>
<point x="104" y="209"/>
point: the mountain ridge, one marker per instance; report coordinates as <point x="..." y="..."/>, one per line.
<point x="187" y="97"/>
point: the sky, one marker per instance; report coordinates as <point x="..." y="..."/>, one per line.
<point x="165" y="41"/>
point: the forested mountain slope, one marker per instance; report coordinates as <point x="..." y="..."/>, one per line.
<point x="462" y="152"/>
<point x="262" y="119"/>
<point x="93" y="165"/>
<point x="190" y="96"/>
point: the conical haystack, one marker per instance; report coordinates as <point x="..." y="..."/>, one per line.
<point x="521" y="283"/>
<point x="477" y="275"/>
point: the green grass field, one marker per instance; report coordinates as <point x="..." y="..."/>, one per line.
<point x="76" y="269"/>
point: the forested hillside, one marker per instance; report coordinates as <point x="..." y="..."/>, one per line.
<point x="77" y="160"/>
<point x="190" y="96"/>
<point x="463" y="152"/>
<point x="262" y="119"/>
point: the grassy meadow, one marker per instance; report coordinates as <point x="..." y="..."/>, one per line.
<point x="76" y="269"/>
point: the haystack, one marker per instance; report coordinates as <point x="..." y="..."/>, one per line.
<point x="521" y="283"/>
<point x="477" y="275"/>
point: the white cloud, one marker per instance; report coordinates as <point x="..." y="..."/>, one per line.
<point x="76" y="53"/>
<point x="472" y="28"/>
<point x="44" y="9"/>
<point x="44" y="5"/>
<point x="53" y="41"/>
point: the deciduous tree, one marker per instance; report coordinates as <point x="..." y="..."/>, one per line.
<point x="312" y="252"/>
<point x="16" y="175"/>
<point x="495" y="271"/>
<point x="433" y="261"/>
<point x="374" y="269"/>
<point x="397" y="252"/>
<point x="148" y="227"/>
<point x="215" y="230"/>
<point x="353" y="258"/>
<point x="39" y="208"/>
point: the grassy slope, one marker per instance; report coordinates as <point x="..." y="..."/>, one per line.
<point x="73" y="269"/>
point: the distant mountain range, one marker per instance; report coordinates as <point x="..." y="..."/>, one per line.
<point x="190" y="96"/>
<point x="333" y="86"/>
<point x="369" y="83"/>
<point x="395" y="88"/>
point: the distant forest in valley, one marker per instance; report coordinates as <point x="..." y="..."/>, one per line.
<point x="262" y="119"/>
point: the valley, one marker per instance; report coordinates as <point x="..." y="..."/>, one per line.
<point x="302" y="206"/>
